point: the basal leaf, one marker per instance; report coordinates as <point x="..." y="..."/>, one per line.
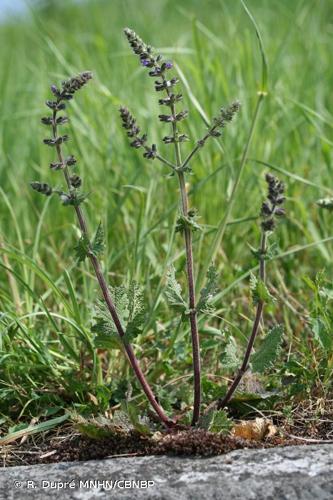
<point x="322" y="334"/>
<point x="216" y="421"/>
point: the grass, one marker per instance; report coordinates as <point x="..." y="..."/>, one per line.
<point x="49" y="364"/>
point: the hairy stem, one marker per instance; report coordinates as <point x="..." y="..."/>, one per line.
<point x="221" y="403"/>
<point x="108" y="299"/>
<point x="190" y="277"/>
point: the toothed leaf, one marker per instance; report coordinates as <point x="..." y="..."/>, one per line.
<point x="216" y="421"/>
<point x="130" y="309"/>
<point x="204" y="305"/>
<point x="173" y="291"/>
<point x="188" y="221"/>
<point x="82" y="248"/>
<point x="259" y="291"/>
<point x="230" y="359"/>
<point x="268" y="350"/>
<point x="98" y="243"/>
<point x="136" y="312"/>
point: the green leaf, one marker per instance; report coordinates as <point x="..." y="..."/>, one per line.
<point x="129" y="304"/>
<point x="230" y="359"/>
<point x="140" y="424"/>
<point x="271" y="252"/>
<point x="216" y="421"/>
<point x="268" y="350"/>
<point x="322" y="334"/>
<point x="78" y="198"/>
<point x="107" y="336"/>
<point x="173" y="291"/>
<point x="27" y="429"/>
<point x="204" y="305"/>
<point x="136" y="312"/>
<point x="82" y="248"/>
<point x="188" y="221"/>
<point x="259" y="291"/>
<point x="98" y="243"/>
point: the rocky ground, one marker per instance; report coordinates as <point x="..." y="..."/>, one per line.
<point x="294" y="472"/>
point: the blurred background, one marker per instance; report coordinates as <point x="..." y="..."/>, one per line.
<point x="46" y="300"/>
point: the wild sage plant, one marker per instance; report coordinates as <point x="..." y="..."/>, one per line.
<point x="110" y="319"/>
<point x="271" y="210"/>
<point x="74" y="197"/>
<point x="165" y="86"/>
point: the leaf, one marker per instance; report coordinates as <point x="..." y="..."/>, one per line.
<point x="28" y="429"/>
<point x="136" y="312"/>
<point x="271" y="252"/>
<point x="130" y="309"/>
<point x="96" y="247"/>
<point x="82" y="248"/>
<point x="322" y="334"/>
<point x="268" y="350"/>
<point x="173" y="291"/>
<point x="204" y="305"/>
<point x="188" y="221"/>
<point x="110" y="340"/>
<point x="230" y="359"/>
<point x="325" y="203"/>
<point x="140" y="424"/>
<point x="98" y="242"/>
<point x="259" y="290"/>
<point x="78" y="199"/>
<point x="216" y="421"/>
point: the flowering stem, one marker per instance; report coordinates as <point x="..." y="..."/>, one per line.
<point x="190" y="273"/>
<point x="221" y="403"/>
<point x="192" y="305"/>
<point x="107" y="296"/>
<point x="224" y="222"/>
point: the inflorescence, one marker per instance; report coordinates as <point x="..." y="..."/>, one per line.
<point x="158" y="68"/>
<point x="271" y="208"/>
<point x="61" y="96"/>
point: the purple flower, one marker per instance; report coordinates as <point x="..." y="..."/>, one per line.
<point x="145" y="62"/>
<point x="168" y="65"/>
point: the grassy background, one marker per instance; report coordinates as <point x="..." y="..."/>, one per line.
<point x="48" y="360"/>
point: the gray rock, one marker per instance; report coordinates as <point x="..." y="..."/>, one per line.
<point x="295" y="472"/>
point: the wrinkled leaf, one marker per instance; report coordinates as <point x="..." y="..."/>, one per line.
<point x="268" y="350"/>
<point x="204" y="305"/>
<point x="173" y="291"/>
<point x="259" y="290"/>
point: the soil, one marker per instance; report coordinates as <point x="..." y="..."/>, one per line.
<point x="308" y="426"/>
<point x="76" y="447"/>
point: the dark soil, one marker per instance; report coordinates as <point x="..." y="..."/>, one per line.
<point x="81" y="448"/>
